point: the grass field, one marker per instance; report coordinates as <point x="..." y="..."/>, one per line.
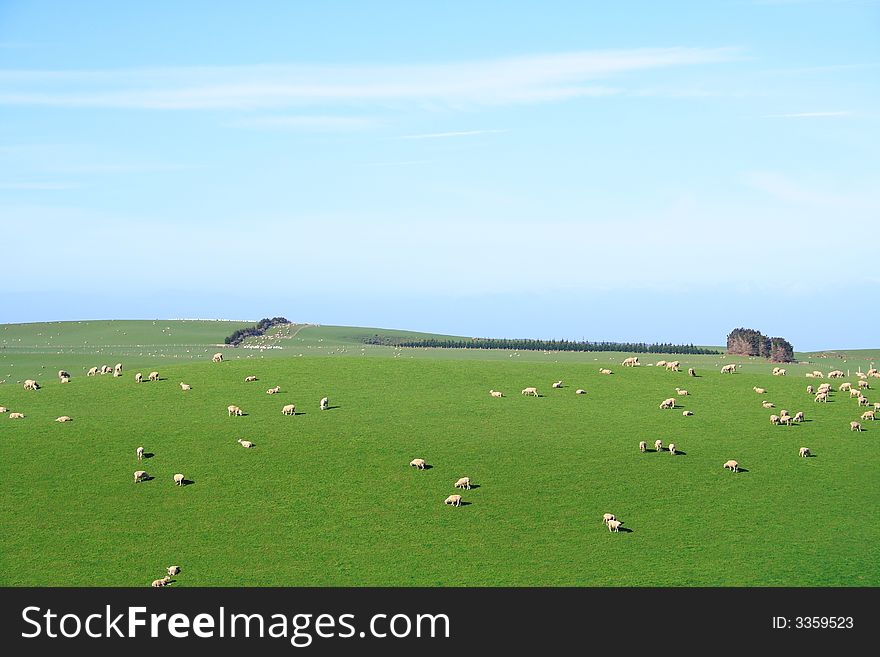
<point x="328" y="498"/>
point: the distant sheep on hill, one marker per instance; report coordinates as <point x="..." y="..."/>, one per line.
<point x="217" y="358"/>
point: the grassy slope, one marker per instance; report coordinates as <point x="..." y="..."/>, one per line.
<point x="327" y="498"/>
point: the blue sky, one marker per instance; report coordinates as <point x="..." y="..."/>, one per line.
<point x="629" y="170"/>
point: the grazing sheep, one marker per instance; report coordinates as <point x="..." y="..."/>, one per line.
<point x="495" y="393"/>
<point x="580" y="391"/>
<point x="159" y="583"/>
<point x="821" y="397"/>
<point x="247" y="444"/>
<point x="731" y="465"/>
<point x="605" y="370"/>
<point x="844" y="387"/>
<point x="855" y="426"/>
<point x="30" y="384"/>
<point x="681" y="393"/>
<point x="178" y="479"/>
<point x="729" y="369"/>
<point x="418" y="463"/>
<point x="760" y="391"/>
<point x="138" y="377"/>
<point x="248" y="379"/>
<point x="154" y="376"/>
<point x="660" y="363"/>
<point x="173" y="570"/>
<point x="464" y="482"/>
<point x="767" y="404"/>
<point x="65" y="379"/>
<point x="92" y="372"/>
<point x="558" y="384"/>
<point x="290" y="409"/>
<point x="864" y="385"/>
<point x="863" y="401"/>
<point x="185" y="386"/>
<point x="810" y="390"/>
<point x="818" y="374"/>
<point x="692" y="371"/>
<point x="325" y="403"/>
<point x="117" y="370"/>
<point x="106" y="369"/>
<point x="273" y="391"/>
<point x="672" y="448"/>
<point x="614" y="525"/>
<point x="658" y="445"/>
<point x="687" y="413"/>
<point x="836" y="374"/>
<point x="668" y="403"/>
<point x="64" y="418"/>
<point x="233" y="410"/>
<point x="632" y="361"/>
<point x="868" y="415"/>
<point x="140" y="453"/>
<point x="454" y="500"/>
<point x="774" y="419"/>
<point x="218" y="357"/>
<point x="608" y="517"/>
<point x="62" y="374"/>
<point x="530" y="391"/>
<point x="804" y="451"/>
<point x="877" y="406"/>
<point x="140" y="475"/>
<point x="643" y="446"/>
<point x="786" y="419"/>
<point x="673" y="366"/>
<point x="3" y="409"/>
<point x="16" y="416"/>
<point x="799" y="416"/>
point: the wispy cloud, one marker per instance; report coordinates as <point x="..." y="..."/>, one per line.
<point x="525" y="79"/>
<point x="811" y="115"/>
<point x="40" y="186"/>
<point x="310" y="123"/>
<point x="458" y="133"/>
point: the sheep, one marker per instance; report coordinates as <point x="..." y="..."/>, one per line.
<point x="632" y="361"/>
<point x="668" y="403"/>
<point x="658" y="445"/>
<point x="868" y="415"/>
<point x="692" y="371"/>
<point x="877" y="406"/>
<point x="92" y="372"/>
<point x="608" y="517"/>
<point x="804" y="451"/>
<point x="825" y="387"/>
<point x="16" y="416"/>
<point x="158" y="583"/>
<point x="233" y="410"/>
<point x="760" y="391"/>
<point x="138" y="377"/>
<point x="687" y="413"/>
<point x="614" y="525"/>
<point x="140" y="475"/>
<point x="250" y="378"/>
<point x="154" y="376"/>
<point x="273" y="391"/>
<point x="855" y="426"/>
<point x="418" y="463"/>
<point x="530" y="391"/>
<point x="65" y="379"/>
<point x="218" y="357"/>
<point x="731" y="465"/>
<point x="140" y="453"/>
<point x="185" y="386"/>
<point x="660" y="363"/>
<point x="821" y="397"/>
<point x="179" y="479"/>
<point x="580" y="391"/>
<point x="729" y="369"/>
<point x="673" y="366"/>
<point x="247" y="444"/>
<point x="117" y="370"/>
<point x="290" y="409"/>
<point x="810" y="390"/>
<point x="106" y="369"/>
<point x="64" y="418"/>
<point x="605" y="370"/>
<point x="173" y="570"/>
<point x="454" y="500"/>
<point x="799" y="416"/>
<point x="767" y="404"/>
<point x="643" y="447"/>
<point x="30" y="384"/>
<point x="836" y="374"/>
<point x="558" y="384"/>
<point x="325" y="403"/>
<point x="672" y="448"/>
<point x="844" y="387"/>
<point x="63" y="374"/>
<point x="864" y="385"/>
<point x="785" y="419"/>
<point x="774" y="419"/>
<point x="817" y="374"/>
<point x="495" y="393"/>
<point x="464" y="482"/>
<point x="863" y="401"/>
<point x="3" y="409"/>
<point x="681" y="393"/>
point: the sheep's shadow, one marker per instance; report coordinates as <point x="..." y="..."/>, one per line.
<point x="187" y="482"/>
<point x="678" y="452"/>
<point x="463" y="503"/>
<point x="741" y="470"/>
<point x="474" y="486"/>
<point x="147" y="478"/>
<point x="650" y="450"/>
<point x="626" y="530"/>
<point x="299" y="413"/>
<point x="332" y="408"/>
<point x="148" y="455"/>
<point x="428" y="466"/>
<point x="811" y="456"/>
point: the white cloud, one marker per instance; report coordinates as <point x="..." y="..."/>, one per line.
<point x="525" y="79"/>
<point x="301" y="122"/>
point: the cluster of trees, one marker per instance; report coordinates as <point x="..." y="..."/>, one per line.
<point x="258" y="329"/>
<point x="749" y="342"/>
<point x="541" y="345"/>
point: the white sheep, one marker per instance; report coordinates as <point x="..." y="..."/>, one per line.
<point x="16" y="416"/>
<point x="154" y="376"/>
<point x="185" y="386"/>
<point x="855" y="426"/>
<point x="530" y="391"/>
<point x="454" y="500"/>
<point x="290" y="409"/>
<point x="681" y="393"/>
<point x="3" y="409"/>
<point x="233" y="410"/>
<point x="774" y="419"/>
<point x="863" y="401"/>
<point x="273" y="391"/>
<point x="608" y="517"/>
<point x="464" y="482"/>
<point x="614" y="525"/>
<point x="767" y="404"/>
<point x="804" y="451"/>
<point x="325" y="404"/>
<point x="660" y="363"/>
<point x="868" y="415"/>
<point x="557" y="384"/>
<point x="692" y="371"/>
<point x="30" y="384"/>
<point x="140" y="453"/>
<point x="799" y="416"/>
<point x="673" y="366"/>
<point x="218" y="357"/>
<point x="179" y="479"/>
<point x="632" y="361"/>
<point x="760" y="391"/>
<point x="605" y="370"/>
<point x="92" y="372"/>
<point x="643" y="446"/>
<point x="667" y="403"/>
<point x="495" y="393"/>
<point x="580" y="391"/>
<point x="64" y="418"/>
<point x="65" y="379"/>
<point x="729" y="369"/>
<point x="250" y="378"/>
<point x="844" y="387"/>
<point x="418" y="463"/>
<point x="63" y="374"/>
<point x="810" y="390"/>
<point x="158" y="583"/>
<point x="687" y="413"/>
<point x="821" y="397"/>
<point x="140" y="475"/>
<point x="658" y="445"/>
<point x="672" y="448"/>
<point x="138" y="377"/>
<point x="731" y="465"/>
<point x="247" y="444"/>
<point x="117" y="370"/>
<point x="173" y="570"/>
